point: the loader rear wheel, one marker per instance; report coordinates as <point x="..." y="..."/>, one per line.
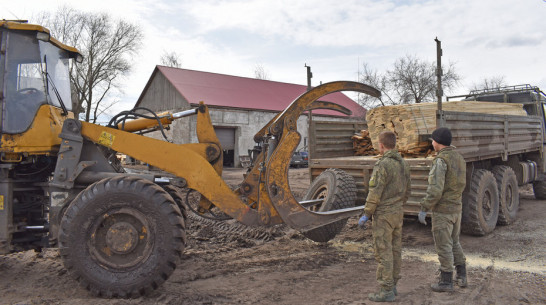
<point x="122" y="237"/>
<point x="480" y="204"/>
<point x="508" y="194"/>
<point x="338" y="191"/>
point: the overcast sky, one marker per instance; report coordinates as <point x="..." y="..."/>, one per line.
<point x="484" y="38"/>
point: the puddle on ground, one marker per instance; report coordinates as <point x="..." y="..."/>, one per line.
<point x="524" y="265"/>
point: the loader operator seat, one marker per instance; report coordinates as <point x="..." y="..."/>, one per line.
<point x="28" y="98"/>
<point x="21" y="107"/>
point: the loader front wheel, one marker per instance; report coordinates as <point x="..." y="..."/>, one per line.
<point x="122" y="237"/>
<point x="338" y="191"/>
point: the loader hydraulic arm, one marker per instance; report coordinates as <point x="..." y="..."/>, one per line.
<point x="164" y="118"/>
<point x="264" y="197"/>
<point x="197" y="163"/>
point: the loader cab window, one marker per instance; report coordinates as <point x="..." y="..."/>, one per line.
<point x="23" y="82"/>
<point x="26" y="85"/>
<point x="56" y="64"/>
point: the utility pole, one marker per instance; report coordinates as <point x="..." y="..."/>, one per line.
<point x="439" y="73"/>
<point x="309" y="76"/>
<point x="440" y="118"/>
<point x="309" y="114"/>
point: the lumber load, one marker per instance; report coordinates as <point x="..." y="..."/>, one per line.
<point x="362" y="144"/>
<point x="414" y="123"/>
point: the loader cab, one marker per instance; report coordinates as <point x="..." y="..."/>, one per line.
<point x="35" y="71"/>
<point x="34" y="85"/>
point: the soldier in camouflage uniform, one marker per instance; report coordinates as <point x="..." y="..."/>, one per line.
<point x="447" y="180"/>
<point x="389" y="189"/>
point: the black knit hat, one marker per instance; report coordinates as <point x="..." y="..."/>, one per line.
<point x="442" y="136"/>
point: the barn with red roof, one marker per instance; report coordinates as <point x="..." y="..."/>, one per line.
<point x="238" y="106"/>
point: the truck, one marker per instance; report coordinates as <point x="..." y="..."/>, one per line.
<point x="122" y="233"/>
<point x="502" y="153"/>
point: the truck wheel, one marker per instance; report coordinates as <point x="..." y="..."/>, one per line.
<point x="508" y="194"/>
<point x="122" y="237"/>
<point x="539" y="188"/>
<point x="480" y="204"/>
<point x="338" y="189"/>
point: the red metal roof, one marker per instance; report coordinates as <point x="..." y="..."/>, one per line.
<point x="247" y="93"/>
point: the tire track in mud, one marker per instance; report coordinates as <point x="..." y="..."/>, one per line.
<point x="207" y="237"/>
<point x="213" y="229"/>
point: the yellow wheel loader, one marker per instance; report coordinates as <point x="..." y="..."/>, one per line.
<point x="122" y="234"/>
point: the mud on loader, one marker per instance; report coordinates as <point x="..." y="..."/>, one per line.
<point x="121" y="234"/>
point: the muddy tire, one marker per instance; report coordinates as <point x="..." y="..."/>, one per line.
<point x="508" y="194"/>
<point x="539" y="188"/>
<point x="338" y="189"/>
<point x="480" y="204"/>
<point x="122" y="237"/>
<point x="178" y="199"/>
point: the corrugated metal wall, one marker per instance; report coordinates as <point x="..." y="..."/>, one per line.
<point x="162" y="96"/>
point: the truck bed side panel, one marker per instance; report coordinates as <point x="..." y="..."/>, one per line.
<point x="483" y="136"/>
<point x="476" y="136"/>
<point x="333" y="139"/>
<point x="360" y="167"/>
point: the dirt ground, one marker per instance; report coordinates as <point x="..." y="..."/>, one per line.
<point x="228" y="263"/>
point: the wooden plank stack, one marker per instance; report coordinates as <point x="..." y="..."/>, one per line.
<point x="413" y="123"/>
<point x="362" y="144"/>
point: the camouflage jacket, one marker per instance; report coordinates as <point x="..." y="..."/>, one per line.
<point x="390" y="185"/>
<point x="446" y="182"/>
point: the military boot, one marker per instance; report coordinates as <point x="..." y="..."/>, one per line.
<point x="445" y="283"/>
<point x="461" y="276"/>
<point x="383" y="295"/>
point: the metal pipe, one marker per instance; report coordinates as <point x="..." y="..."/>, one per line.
<point x="88" y="177"/>
<point x="185" y="113"/>
<point x="311" y="203"/>
<point x="35" y="228"/>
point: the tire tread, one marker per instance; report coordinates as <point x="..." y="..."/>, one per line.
<point x="344" y="197"/>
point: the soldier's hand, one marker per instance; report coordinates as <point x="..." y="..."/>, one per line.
<point x="422" y="215"/>
<point x="362" y="222"/>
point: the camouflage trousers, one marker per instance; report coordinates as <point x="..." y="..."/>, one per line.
<point x="387" y="241"/>
<point x="446" y="229"/>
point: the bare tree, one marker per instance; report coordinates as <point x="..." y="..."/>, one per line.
<point x="171" y="59"/>
<point x="490" y="83"/>
<point x="107" y="46"/>
<point x="379" y="81"/>
<point x="411" y="80"/>
<point x="260" y="72"/>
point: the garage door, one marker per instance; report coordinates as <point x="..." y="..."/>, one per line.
<point x="226" y="137"/>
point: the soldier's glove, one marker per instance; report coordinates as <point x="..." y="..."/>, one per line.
<point x="422" y="215"/>
<point x="362" y="222"/>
